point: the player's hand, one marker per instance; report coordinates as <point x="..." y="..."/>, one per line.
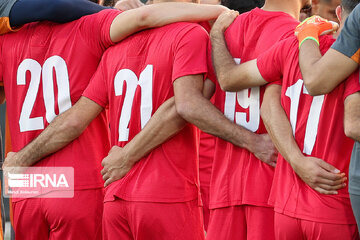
<point x="125" y="5"/>
<point x="313" y="27"/>
<point x="265" y="150"/>
<point x="319" y="175"/>
<point x="116" y="165"/>
<point x="13" y="162"/>
<point x="223" y="22"/>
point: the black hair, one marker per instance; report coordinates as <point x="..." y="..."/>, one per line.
<point x="349" y="5"/>
<point x="109" y="3"/>
<point x="242" y="5"/>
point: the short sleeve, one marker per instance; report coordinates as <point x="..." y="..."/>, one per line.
<point x="211" y="70"/>
<point x="270" y="63"/>
<point x="97" y="89"/>
<point x="95" y="29"/>
<point x="352" y="84"/>
<point x="190" y="52"/>
<point x="348" y="42"/>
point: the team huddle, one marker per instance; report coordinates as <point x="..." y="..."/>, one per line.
<point x="141" y="102"/>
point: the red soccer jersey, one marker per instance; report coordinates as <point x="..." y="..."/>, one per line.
<point x="317" y="124"/>
<point x="45" y="68"/>
<point x="238" y="177"/>
<point x="134" y="85"/>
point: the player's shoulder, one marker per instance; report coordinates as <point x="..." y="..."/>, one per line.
<point x="184" y="26"/>
<point x="185" y="29"/>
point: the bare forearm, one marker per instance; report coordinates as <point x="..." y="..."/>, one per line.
<point x="158" y="15"/>
<point x="164" y="13"/>
<point x="223" y="61"/>
<point x="164" y="124"/>
<point x="309" y="56"/>
<point x="278" y="125"/>
<point x="62" y="130"/>
<point x="56" y="136"/>
<point x="352" y="116"/>
<point x="322" y="74"/>
<point x="209" y="119"/>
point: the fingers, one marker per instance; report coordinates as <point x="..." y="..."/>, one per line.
<point x="327" y="166"/>
<point x="225" y="20"/>
<point x="331" y="188"/>
<point x="327" y="181"/>
<point x="323" y="191"/>
<point x="125" y="5"/>
<point x="108" y="181"/>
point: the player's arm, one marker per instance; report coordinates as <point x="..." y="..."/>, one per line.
<point x="315" y="172"/>
<point x="196" y="109"/>
<point x="352" y="116"/>
<point x="322" y="74"/>
<point x="160" y="14"/>
<point x="26" y="11"/>
<point x="231" y="76"/>
<point x="164" y="124"/>
<point x="61" y="131"/>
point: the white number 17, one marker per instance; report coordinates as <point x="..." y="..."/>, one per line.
<point x="294" y="92"/>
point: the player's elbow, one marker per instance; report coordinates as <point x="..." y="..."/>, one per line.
<point x="313" y="86"/>
<point x="144" y="18"/>
<point x="73" y="125"/>
<point x="352" y="129"/>
<point x="265" y="111"/>
<point x="186" y="109"/>
<point x="226" y="83"/>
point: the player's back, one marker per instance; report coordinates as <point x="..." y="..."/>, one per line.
<point x="45" y="68"/>
<point x="251" y="34"/>
<point x="317" y="124"/>
<point x="138" y="76"/>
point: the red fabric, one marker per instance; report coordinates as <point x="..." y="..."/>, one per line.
<point x="76" y="48"/>
<point x="290" y="195"/>
<point x="238" y="176"/>
<point x="170" y="172"/>
<point x="160" y="221"/>
<point x="297" y="229"/>
<point x="206" y="157"/>
<point x="243" y="222"/>
<point x="79" y="217"/>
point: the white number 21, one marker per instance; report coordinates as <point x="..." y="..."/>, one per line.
<point x="145" y="83"/>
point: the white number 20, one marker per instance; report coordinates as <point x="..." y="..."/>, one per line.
<point x="62" y="79"/>
<point x="132" y="82"/>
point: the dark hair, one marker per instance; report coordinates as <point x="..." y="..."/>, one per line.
<point x="109" y="3"/>
<point x="94" y="1"/>
<point x="242" y="5"/>
<point x="349" y="5"/>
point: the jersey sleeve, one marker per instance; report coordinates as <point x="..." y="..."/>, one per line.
<point x="211" y="70"/>
<point x="95" y="30"/>
<point x="352" y="85"/>
<point x="97" y="90"/>
<point x="190" y="52"/>
<point x="270" y="63"/>
<point x="348" y="42"/>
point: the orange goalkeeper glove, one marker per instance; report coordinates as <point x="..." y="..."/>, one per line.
<point x="313" y="27"/>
